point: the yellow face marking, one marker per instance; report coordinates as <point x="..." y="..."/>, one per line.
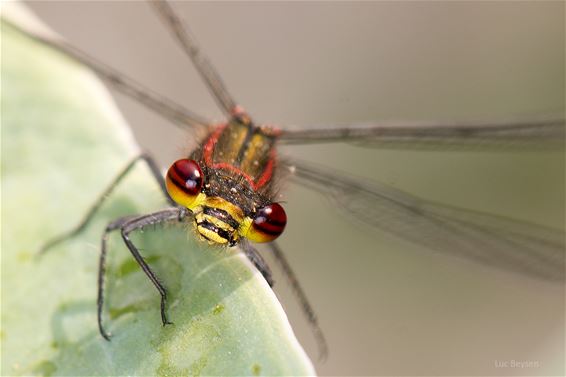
<point x="234" y="211"/>
<point x="214" y="229"/>
<point x="211" y="235"/>
<point x="215" y="221"/>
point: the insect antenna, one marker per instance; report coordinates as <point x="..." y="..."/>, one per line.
<point x="203" y="65"/>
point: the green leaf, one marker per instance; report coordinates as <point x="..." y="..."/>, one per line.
<point x="62" y="143"/>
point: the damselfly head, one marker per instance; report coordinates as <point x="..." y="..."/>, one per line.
<point x="217" y="219"/>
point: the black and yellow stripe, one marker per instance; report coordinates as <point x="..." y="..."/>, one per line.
<point x="218" y="220"/>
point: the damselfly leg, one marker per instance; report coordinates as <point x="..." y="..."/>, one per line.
<point x="127" y="225"/>
<point x="306" y="307"/>
<point x="114" y="225"/>
<point x="257" y="260"/>
<point x="154" y="169"/>
<point x="167" y="215"/>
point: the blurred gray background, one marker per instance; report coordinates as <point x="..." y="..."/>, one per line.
<point x="387" y="307"/>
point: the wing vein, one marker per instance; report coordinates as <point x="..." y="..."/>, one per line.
<point x="489" y="239"/>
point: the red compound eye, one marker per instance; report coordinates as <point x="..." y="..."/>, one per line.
<point x="268" y="223"/>
<point x="184" y="181"/>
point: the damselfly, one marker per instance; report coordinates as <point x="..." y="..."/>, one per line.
<point x="497" y="242"/>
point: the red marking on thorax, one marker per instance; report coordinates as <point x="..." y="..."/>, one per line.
<point x="208" y="151"/>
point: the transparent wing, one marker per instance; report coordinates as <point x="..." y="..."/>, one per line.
<point x="539" y="133"/>
<point x="189" y="44"/>
<point x="163" y="106"/>
<point x="491" y="240"/>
